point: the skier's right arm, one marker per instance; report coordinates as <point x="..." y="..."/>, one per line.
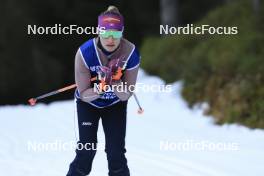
<point x="83" y="80"/>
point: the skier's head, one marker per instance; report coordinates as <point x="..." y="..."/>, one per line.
<point x="113" y="23"/>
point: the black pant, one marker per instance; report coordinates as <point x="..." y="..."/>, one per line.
<point x="114" y="125"/>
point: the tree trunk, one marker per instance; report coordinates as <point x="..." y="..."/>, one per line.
<point x="169" y="12"/>
<point x="256" y="4"/>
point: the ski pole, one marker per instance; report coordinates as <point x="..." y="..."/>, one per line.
<point x="140" y="109"/>
<point x="33" y="101"/>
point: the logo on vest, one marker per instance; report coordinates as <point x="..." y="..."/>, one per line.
<point x="94" y="68"/>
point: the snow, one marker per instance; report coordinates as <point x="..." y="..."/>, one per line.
<point x="191" y="137"/>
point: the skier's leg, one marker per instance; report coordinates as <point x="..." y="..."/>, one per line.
<point x="114" y="124"/>
<point x="88" y="118"/>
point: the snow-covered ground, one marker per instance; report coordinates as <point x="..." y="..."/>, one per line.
<point x="195" y="146"/>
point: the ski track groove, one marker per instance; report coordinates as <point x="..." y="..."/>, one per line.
<point x="185" y="167"/>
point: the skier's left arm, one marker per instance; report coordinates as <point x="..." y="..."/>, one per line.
<point x="129" y="78"/>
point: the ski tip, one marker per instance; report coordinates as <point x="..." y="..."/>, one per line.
<point x="32" y="101"/>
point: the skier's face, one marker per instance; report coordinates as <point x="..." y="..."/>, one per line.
<point x="111" y="40"/>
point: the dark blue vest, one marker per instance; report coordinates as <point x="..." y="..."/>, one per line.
<point x="92" y="61"/>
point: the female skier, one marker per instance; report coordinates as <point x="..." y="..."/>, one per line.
<point x="107" y="60"/>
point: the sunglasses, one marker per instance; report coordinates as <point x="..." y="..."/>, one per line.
<point x="114" y="34"/>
